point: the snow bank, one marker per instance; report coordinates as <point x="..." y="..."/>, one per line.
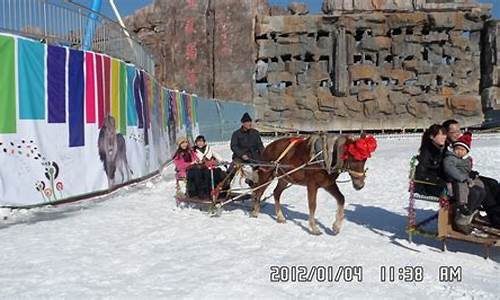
<point x="139" y="244"/>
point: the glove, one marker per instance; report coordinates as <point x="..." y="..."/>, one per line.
<point x="473" y="174"/>
<point x="469" y="182"/>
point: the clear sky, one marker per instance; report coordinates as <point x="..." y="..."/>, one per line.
<point x="127" y="7"/>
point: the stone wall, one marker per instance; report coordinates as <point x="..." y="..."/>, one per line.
<point x="202" y="46"/>
<point x="365" y="64"/>
<point x="490" y="64"/>
<point x="349" y="6"/>
<point x="370" y="70"/>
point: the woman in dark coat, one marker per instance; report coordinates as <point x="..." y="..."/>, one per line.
<point x="430" y="158"/>
<point x="429" y="170"/>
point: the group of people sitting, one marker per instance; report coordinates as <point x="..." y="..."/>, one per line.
<point x="198" y="168"/>
<point x="445" y="167"/>
<point x="194" y="166"/>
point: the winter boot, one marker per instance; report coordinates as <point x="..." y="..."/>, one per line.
<point x="463" y="216"/>
<point x="465" y="229"/>
<point x="249" y="182"/>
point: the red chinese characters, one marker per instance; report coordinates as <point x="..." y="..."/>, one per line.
<point x="191" y="51"/>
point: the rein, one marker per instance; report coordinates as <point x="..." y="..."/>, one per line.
<point x="221" y="204"/>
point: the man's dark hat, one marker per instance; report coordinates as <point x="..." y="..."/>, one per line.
<point x="246" y="118"/>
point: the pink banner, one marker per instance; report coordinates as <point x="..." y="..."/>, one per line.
<point x="100" y="89"/>
<point x="90" y="87"/>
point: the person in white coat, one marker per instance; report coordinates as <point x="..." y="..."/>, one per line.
<point x="205" y="153"/>
<point x="209" y="161"/>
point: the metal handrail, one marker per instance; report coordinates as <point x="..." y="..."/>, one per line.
<point x="64" y="23"/>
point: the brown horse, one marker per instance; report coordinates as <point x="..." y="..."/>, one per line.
<point x="339" y="154"/>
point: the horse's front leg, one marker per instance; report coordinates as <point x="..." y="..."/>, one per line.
<point x="335" y="192"/>
<point x="280" y="218"/>
<point x="312" y="191"/>
<point x="122" y="173"/>
<point x="263" y="177"/>
<point x="109" y="172"/>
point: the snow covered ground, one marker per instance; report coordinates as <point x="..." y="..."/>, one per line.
<point x="139" y="244"/>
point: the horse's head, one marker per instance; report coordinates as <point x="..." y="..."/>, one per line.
<point x="109" y="123"/>
<point x="109" y="129"/>
<point x="352" y="155"/>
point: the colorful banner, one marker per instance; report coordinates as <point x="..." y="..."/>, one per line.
<point x="31" y="57"/>
<point x="138" y="96"/>
<point x="180" y="109"/>
<point x="88" y="122"/>
<point x="7" y="85"/>
<point x="107" y="84"/>
<point x="131" y="107"/>
<point x="123" y="99"/>
<point x="90" y="88"/>
<point x="186" y="100"/>
<point x="172" y="110"/>
<point x="146" y="93"/>
<point x="157" y="111"/>
<point x="56" y="84"/>
<point x="115" y="91"/>
<point x="165" y="101"/>
<point x="76" y="103"/>
<point x="101" y="112"/>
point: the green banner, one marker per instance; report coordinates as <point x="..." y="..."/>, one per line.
<point x="123" y="99"/>
<point x="7" y="85"/>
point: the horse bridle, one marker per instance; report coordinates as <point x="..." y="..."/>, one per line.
<point x="345" y="168"/>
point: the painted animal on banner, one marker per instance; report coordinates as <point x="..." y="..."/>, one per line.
<point x="113" y="152"/>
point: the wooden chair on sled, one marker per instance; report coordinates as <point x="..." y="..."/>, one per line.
<point x="489" y="236"/>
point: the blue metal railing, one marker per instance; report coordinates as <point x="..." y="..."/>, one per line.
<point x="65" y="22"/>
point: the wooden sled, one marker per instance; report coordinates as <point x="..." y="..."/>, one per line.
<point x="483" y="233"/>
<point x="209" y="201"/>
<point x="212" y="202"/>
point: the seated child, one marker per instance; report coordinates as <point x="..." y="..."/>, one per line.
<point x="205" y="153"/>
<point x="457" y="167"/>
<point x="183" y="158"/>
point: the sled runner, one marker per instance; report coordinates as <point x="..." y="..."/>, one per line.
<point x="483" y="233"/>
<point x="219" y="193"/>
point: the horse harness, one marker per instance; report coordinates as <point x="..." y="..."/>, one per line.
<point x="322" y="145"/>
<point x="334" y="165"/>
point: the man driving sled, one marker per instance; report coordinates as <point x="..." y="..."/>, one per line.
<point x="247" y="147"/>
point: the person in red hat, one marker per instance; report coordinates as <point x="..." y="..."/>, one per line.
<point x="468" y="189"/>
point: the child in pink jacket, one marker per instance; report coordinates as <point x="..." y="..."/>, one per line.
<point x="184" y="157"/>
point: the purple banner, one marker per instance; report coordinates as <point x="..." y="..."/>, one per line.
<point x="56" y="83"/>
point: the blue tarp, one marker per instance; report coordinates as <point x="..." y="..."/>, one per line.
<point x="218" y="119"/>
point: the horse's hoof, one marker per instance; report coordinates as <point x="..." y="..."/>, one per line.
<point x="315" y="231"/>
<point x="281" y="220"/>
<point x="254" y="214"/>
<point x="336" y="230"/>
